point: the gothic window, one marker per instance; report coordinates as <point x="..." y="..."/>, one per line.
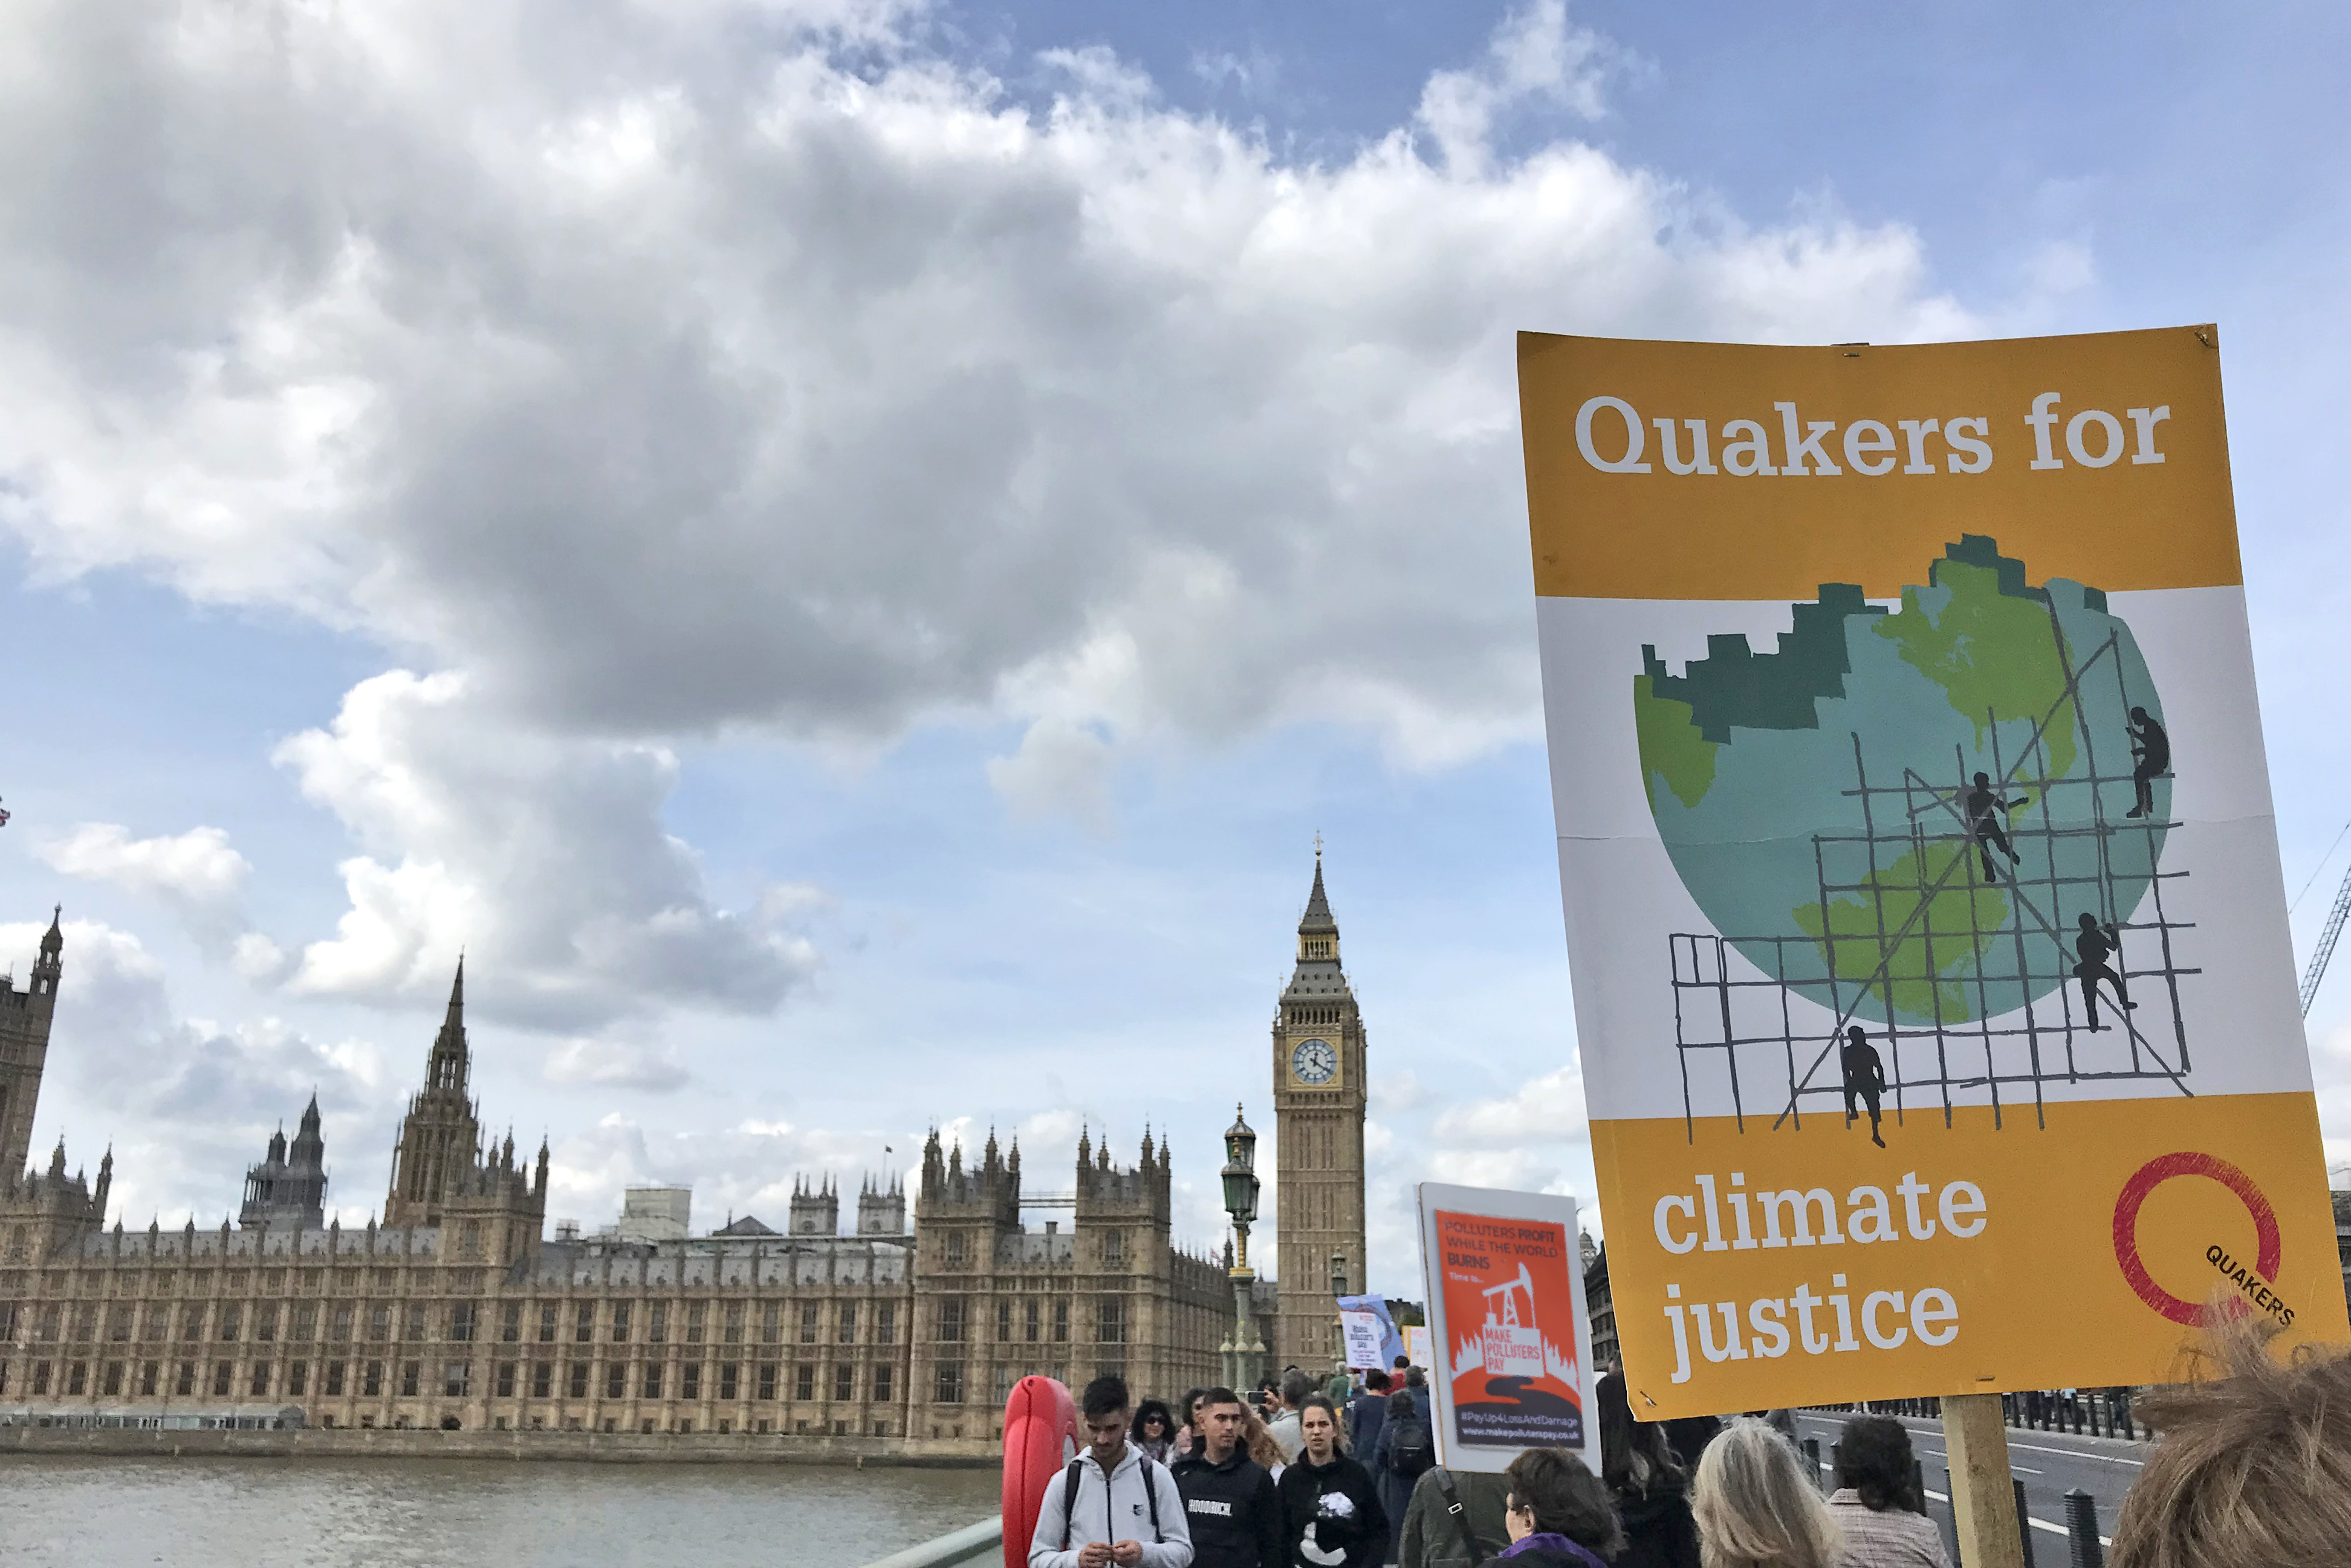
<point x="40" y="1377"/>
<point x="297" y="1379"/>
<point x="111" y="1382"/>
<point x="340" y="1325"/>
<point x="148" y="1371"/>
<point x="620" y="1322"/>
<point x="469" y="1240"/>
<point x="411" y="1378"/>
<point x="804" y="1381"/>
<point x="50" y="1316"/>
<point x="885" y="1324"/>
<point x="260" y="1384"/>
<point x="265" y="1322"/>
<point x="306" y="1322"/>
<point x="956" y="1247"/>
<point x="510" y="1324"/>
<point x="547" y="1313"/>
<point x="118" y="1323"/>
<point x="849" y="1323"/>
<point x="221" y="1371"/>
<point x="1111" y="1322"/>
<point x="808" y="1322"/>
<point x="335" y="1380"/>
<point x="187" y="1380"/>
<point x="412" y="1322"/>
<point x="732" y="1329"/>
<point x="542" y="1379"/>
<point x="461" y="1322"/>
<point x="766" y="1386"/>
<point x="232" y="1322"/>
<point x="583" y="1323"/>
<point x="951" y="1321"/>
<point x="689" y="1381"/>
<point x="771" y="1323"/>
<point x="616" y="1381"/>
<point x="577" y="1382"/>
<point x="653" y="1383"/>
<point x="844" y="1382"/>
<point x="78" y="1377"/>
<point x="949" y="1386"/>
<point x="380" y="1323"/>
<point x="693" y="1320"/>
<point x="1114" y="1246"/>
<point x="506" y="1380"/>
<point x="657" y="1323"/>
<point x="882" y="1384"/>
<point x="371" y="1382"/>
<point x="1061" y="1322"/>
<point x="729" y="1375"/>
<point x="86" y="1320"/>
<point x="1003" y="1322"/>
<point x="1030" y="1311"/>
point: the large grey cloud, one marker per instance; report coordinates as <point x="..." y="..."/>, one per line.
<point x="670" y="368"/>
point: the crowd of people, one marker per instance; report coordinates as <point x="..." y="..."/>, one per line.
<point x="2254" y="1470"/>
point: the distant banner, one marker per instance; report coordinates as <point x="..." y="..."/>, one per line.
<point x="1383" y="1344"/>
<point x="1415" y="1346"/>
<point x="1511" y="1369"/>
<point x="1916" y="844"/>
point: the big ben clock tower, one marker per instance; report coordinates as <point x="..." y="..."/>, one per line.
<point x="1319" y="1098"/>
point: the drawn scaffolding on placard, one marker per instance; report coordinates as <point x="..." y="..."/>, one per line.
<point x="1935" y="923"/>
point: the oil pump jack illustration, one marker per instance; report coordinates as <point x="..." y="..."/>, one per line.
<point x="1510" y="1341"/>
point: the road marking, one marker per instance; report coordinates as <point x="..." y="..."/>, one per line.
<point x="2036" y="1523"/>
<point x="2019" y="1469"/>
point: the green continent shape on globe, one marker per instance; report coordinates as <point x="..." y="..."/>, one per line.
<point x="1960" y="919"/>
<point x="1671" y="747"/>
<point x="1989" y="651"/>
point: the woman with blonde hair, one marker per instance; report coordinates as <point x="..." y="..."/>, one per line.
<point x="1756" y="1509"/>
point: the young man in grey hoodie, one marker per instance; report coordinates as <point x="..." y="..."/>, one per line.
<point x="1114" y="1506"/>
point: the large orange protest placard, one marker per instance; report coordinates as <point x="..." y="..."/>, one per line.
<point x="1932" y="982"/>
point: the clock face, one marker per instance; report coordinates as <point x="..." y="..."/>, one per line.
<point x="1313" y="1061"/>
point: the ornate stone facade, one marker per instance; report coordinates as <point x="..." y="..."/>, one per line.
<point x="458" y="1312"/>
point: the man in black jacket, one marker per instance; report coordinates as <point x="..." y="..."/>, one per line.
<point x="1228" y="1499"/>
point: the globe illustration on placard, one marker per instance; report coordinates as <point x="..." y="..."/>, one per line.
<point x="1907" y="814"/>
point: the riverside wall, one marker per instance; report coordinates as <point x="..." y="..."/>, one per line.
<point x="613" y="1448"/>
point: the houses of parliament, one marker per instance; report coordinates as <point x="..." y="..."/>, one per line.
<point x="454" y="1309"/>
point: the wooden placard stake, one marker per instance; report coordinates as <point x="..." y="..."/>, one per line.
<point x="1983" y="1493"/>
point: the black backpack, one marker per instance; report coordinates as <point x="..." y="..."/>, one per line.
<point x="1410" y="1450"/>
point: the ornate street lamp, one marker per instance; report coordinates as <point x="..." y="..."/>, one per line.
<point x="1244" y="1353"/>
<point x="1241" y="1184"/>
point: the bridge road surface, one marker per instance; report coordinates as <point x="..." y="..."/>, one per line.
<point x="2050" y="1464"/>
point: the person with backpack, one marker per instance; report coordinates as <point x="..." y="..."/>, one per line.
<point x="1405" y="1449"/>
<point x="1114" y="1505"/>
<point x="1331" y="1511"/>
<point x="1457" y="1518"/>
<point x="1234" y="1512"/>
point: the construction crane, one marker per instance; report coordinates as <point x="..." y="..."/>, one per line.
<point x="2325" y="949"/>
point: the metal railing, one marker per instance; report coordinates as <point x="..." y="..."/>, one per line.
<point x="973" y="1543"/>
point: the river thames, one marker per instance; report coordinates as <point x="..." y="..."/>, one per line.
<point x="257" y="1513"/>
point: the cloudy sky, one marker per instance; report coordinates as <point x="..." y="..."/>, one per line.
<point x="844" y="550"/>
